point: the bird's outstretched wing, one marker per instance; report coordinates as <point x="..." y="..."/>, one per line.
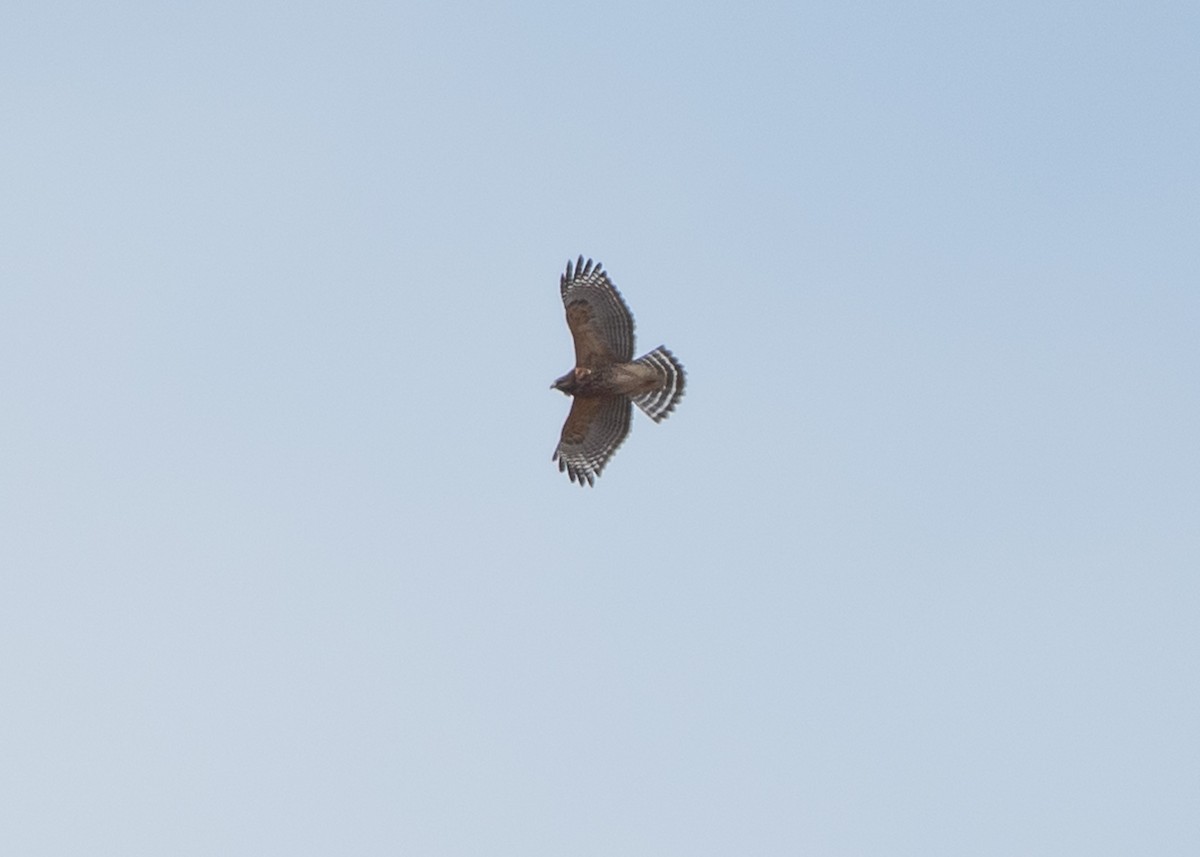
<point x="594" y="429"/>
<point x="601" y="324"/>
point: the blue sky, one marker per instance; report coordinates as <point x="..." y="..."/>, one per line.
<point x="286" y="567"/>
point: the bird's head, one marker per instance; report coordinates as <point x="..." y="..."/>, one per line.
<point x="565" y="383"/>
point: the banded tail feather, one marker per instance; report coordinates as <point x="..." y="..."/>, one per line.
<point x="659" y="402"/>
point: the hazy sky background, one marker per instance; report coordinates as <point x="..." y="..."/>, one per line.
<point x="285" y="567"/>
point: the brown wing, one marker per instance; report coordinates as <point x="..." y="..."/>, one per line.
<point x="593" y="431"/>
<point x="601" y="324"/>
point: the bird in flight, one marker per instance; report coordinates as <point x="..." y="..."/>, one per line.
<point x="606" y="381"/>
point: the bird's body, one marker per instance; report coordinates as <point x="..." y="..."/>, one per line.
<point x="627" y="379"/>
<point x="606" y="381"/>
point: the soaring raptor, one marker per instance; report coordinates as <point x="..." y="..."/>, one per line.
<point x="606" y="380"/>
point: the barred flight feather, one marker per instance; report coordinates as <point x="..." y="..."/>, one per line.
<point x="587" y="282"/>
<point x="583" y="457"/>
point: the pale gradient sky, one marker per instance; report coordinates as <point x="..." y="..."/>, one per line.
<point x="285" y="567"/>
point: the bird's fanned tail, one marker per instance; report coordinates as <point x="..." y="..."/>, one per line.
<point x="659" y="402"/>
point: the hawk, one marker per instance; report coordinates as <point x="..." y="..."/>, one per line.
<point x="606" y="381"/>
